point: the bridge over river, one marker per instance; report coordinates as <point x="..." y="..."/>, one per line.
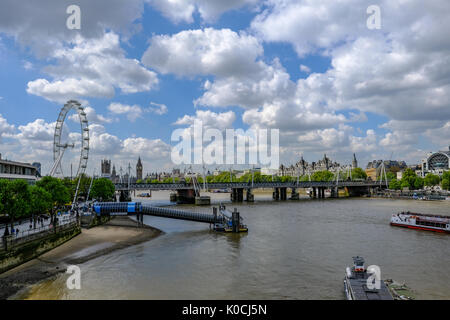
<point x="221" y="220"/>
<point x="188" y="192"/>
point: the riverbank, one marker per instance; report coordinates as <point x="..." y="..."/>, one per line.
<point x="120" y="232"/>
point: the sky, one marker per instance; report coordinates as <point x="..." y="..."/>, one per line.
<point x="312" y="69"/>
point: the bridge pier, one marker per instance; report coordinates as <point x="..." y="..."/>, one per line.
<point x="250" y="197"/>
<point x="186" y="196"/>
<point x="235" y="221"/>
<point x="335" y="192"/>
<point x="237" y="194"/>
<point x="294" y="194"/>
<point x="124" y="196"/>
<point x="276" y="194"/>
<point x="283" y="193"/>
<point x="203" y="201"/>
<point x="314" y="193"/>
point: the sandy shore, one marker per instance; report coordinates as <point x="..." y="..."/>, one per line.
<point x="120" y="232"/>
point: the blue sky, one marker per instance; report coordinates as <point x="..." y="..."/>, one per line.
<point x="311" y="69"/>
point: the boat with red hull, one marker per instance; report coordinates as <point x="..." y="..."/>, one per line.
<point x="421" y="221"/>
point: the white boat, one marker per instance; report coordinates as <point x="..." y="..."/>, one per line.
<point x="421" y="221"/>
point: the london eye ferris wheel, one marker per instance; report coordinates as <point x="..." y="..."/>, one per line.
<point x="60" y="147"/>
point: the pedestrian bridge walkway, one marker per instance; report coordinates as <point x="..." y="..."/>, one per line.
<point x="133" y="208"/>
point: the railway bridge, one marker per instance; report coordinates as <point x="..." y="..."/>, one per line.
<point x="187" y="192"/>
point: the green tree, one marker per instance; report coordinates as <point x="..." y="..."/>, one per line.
<point x="446" y="184"/>
<point x="324" y="175"/>
<point x="59" y="193"/>
<point x="409" y="179"/>
<point x="16" y="199"/>
<point x="446" y="180"/>
<point x="394" y="184"/>
<point x="41" y="200"/>
<point x="418" y="183"/>
<point x="359" y="173"/>
<point x="102" y="189"/>
<point x="3" y="194"/>
<point x="431" y="180"/>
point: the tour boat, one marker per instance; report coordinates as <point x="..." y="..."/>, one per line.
<point x="421" y="221"/>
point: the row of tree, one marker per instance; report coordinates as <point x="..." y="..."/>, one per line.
<point x="20" y="200"/>
<point x="324" y="175"/>
<point x="412" y="181"/>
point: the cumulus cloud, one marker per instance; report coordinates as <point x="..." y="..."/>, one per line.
<point x="41" y="25"/>
<point x="209" y="119"/>
<point x="401" y="72"/>
<point x="92" y="68"/>
<point x="241" y="77"/>
<point x="132" y="112"/>
<point x="183" y="10"/>
<point x="203" y="52"/>
<point x="34" y="142"/>
<point x="92" y="116"/>
<point x="158" y="108"/>
<point x="305" y="69"/>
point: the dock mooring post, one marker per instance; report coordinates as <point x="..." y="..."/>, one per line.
<point x="215" y="214"/>
<point x="235" y="221"/>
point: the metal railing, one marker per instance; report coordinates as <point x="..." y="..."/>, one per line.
<point x="13" y="240"/>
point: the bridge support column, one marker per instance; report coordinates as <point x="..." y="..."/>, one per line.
<point x="283" y="193"/>
<point x="276" y="194"/>
<point x="235" y="221"/>
<point x="250" y="196"/>
<point x="334" y="192"/>
<point x="237" y="194"/>
<point x="124" y="196"/>
<point x="186" y="196"/>
<point x="294" y="194"/>
<point x="314" y="193"/>
<point x="322" y="193"/>
<point x="203" y="200"/>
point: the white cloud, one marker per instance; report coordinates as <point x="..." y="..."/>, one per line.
<point x="5" y="127"/>
<point x="34" y="142"/>
<point x="158" y="108"/>
<point x="92" y="116"/>
<point x="305" y="69"/>
<point x="209" y="119"/>
<point x="204" y="52"/>
<point x="183" y="10"/>
<point x="92" y="68"/>
<point x="27" y="65"/>
<point x="41" y="25"/>
<point x="232" y="58"/>
<point x="132" y="112"/>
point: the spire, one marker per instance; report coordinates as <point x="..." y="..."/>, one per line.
<point x="354" y="162"/>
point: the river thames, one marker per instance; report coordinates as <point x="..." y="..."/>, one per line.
<point x="294" y="250"/>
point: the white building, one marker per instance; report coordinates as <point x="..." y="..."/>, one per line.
<point x="436" y="163"/>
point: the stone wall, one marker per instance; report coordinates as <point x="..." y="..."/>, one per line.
<point x="25" y="251"/>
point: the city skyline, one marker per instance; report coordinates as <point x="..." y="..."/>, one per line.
<point x="156" y="67"/>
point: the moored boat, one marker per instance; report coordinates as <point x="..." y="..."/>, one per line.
<point x="357" y="280"/>
<point x="421" y="221"/>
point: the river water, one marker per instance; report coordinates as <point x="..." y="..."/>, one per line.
<point x="294" y="250"/>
